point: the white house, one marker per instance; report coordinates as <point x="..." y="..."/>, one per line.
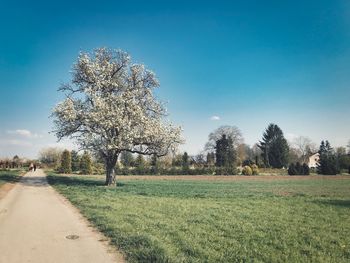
<point x="313" y="159"/>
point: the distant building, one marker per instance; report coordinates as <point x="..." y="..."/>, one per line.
<point x="313" y="160"/>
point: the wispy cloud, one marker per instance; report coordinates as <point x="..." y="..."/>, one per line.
<point x="24" y="133"/>
<point x="215" y="118"/>
<point x="13" y="142"/>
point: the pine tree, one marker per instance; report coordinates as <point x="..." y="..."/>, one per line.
<point x="327" y="163"/>
<point x="306" y="169"/>
<point x="86" y="163"/>
<point x="274" y="147"/>
<point x="155" y="164"/>
<point x="299" y="169"/>
<point x="225" y="153"/>
<point x="140" y="164"/>
<point x="291" y="169"/>
<point x="185" y="163"/>
<point x="75" y="161"/>
<point x="66" y="162"/>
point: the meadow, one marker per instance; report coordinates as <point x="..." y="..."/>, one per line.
<point x="218" y="218"/>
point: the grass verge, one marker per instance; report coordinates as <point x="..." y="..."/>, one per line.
<point x="218" y="221"/>
<point x="9" y="176"/>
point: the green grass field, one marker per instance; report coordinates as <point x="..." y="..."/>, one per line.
<point x="281" y="220"/>
<point x="9" y="176"/>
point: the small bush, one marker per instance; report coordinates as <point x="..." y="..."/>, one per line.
<point x="255" y="169"/>
<point x="298" y="169"/>
<point x="306" y="169"/>
<point x="247" y="170"/>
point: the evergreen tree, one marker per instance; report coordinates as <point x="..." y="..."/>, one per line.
<point x="292" y="170"/>
<point x="86" y="163"/>
<point x="225" y="153"/>
<point x="126" y="159"/>
<point x="299" y="169"/>
<point x="66" y="162"/>
<point x="155" y="164"/>
<point x="327" y="163"/>
<point x="75" y="161"/>
<point x="274" y="147"/>
<point x="140" y="164"/>
<point x="306" y="169"/>
<point x="185" y="163"/>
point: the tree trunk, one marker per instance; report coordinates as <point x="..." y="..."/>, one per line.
<point x="110" y="172"/>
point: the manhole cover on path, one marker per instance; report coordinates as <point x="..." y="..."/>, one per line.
<point x="72" y="237"/>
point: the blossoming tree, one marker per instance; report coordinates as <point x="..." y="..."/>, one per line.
<point x="110" y="108"/>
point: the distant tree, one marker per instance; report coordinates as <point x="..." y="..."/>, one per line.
<point x="274" y="147"/>
<point x="298" y="169"/>
<point x="126" y="159"/>
<point x="306" y="169"/>
<point x="210" y="158"/>
<point x="86" y="163"/>
<point x="243" y="153"/>
<point x="327" y="163"/>
<point x="66" y="162"/>
<point x="292" y="170"/>
<point x="247" y="162"/>
<point x="225" y="154"/>
<point x="177" y="160"/>
<point x="140" y="164"/>
<point x="75" y="161"/>
<point x="110" y="107"/>
<point x="185" y="162"/>
<point x="155" y="165"/>
<point x="229" y="131"/>
<point x="305" y="147"/>
<point x="50" y="156"/>
<point x="343" y="159"/>
<point x="256" y="155"/>
<point x="16" y="161"/>
<point x="199" y="160"/>
<point x="294" y="155"/>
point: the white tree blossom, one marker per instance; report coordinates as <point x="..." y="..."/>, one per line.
<point x="110" y="108"/>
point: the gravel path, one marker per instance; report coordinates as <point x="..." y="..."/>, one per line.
<point x="39" y="225"/>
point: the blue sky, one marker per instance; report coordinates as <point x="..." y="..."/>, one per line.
<point x="248" y="62"/>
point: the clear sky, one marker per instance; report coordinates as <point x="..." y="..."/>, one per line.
<point x="247" y="62"/>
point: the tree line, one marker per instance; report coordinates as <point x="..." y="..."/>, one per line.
<point x="224" y="154"/>
<point x="110" y="110"/>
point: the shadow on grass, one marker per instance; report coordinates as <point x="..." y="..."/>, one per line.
<point x="9" y="178"/>
<point x="341" y="203"/>
<point x="77" y="181"/>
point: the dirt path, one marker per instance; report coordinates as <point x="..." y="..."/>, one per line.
<point x="35" y="222"/>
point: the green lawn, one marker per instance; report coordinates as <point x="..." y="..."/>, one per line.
<point x="9" y="176"/>
<point x="218" y="221"/>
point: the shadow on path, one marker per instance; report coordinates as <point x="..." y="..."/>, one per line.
<point x="37" y="181"/>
